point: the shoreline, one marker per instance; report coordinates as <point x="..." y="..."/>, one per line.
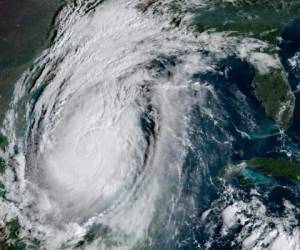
<point x="25" y="31"/>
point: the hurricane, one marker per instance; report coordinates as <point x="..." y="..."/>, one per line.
<point x="138" y="128"/>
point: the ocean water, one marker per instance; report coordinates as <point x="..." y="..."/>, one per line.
<point x="25" y="31"/>
<point x="118" y="130"/>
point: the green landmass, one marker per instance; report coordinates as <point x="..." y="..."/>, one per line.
<point x="275" y="94"/>
<point x="262" y="19"/>
<point x="25" y="32"/>
<point x="2" y="190"/>
<point x="244" y="181"/>
<point x="10" y="238"/>
<point x="2" y="165"/>
<point x="3" y="142"/>
<point x="245" y="170"/>
<point x="276" y="168"/>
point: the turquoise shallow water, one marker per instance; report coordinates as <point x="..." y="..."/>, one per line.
<point x="130" y="118"/>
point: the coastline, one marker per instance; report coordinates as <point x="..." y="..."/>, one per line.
<point x="25" y="28"/>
